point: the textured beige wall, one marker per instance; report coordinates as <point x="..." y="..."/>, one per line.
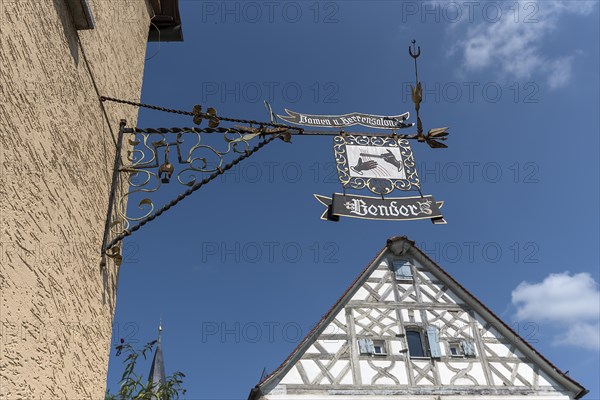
<point x="56" y="155"/>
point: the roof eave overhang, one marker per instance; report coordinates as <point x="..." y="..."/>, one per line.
<point x="165" y="25"/>
<point x="81" y="14"/>
<point x="582" y="393"/>
<point x="165" y="34"/>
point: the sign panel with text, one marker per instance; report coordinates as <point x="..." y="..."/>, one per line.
<point x="388" y="209"/>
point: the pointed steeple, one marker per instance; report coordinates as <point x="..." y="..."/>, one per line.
<point x="157" y="370"/>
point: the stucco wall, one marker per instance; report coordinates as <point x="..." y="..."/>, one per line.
<point x="56" y="154"/>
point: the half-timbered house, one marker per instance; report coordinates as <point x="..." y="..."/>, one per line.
<point x="405" y="329"/>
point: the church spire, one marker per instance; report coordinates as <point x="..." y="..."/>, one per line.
<point x="157" y="370"/>
<point x="159" y="329"/>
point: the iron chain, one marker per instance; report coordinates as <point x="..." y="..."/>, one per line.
<point x="181" y="112"/>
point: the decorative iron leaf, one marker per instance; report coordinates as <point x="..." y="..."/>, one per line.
<point x="286" y="137"/>
<point x="161" y="142"/>
<point x="438" y="132"/>
<point x="249" y="136"/>
<point x="434" y="144"/>
<point x="213" y="122"/>
<point x="417" y="93"/>
<point x="145" y="201"/>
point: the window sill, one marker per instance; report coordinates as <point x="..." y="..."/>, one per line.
<point x="373" y="354"/>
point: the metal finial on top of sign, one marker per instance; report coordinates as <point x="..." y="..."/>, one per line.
<point x="415" y="52"/>
<point x="417" y="91"/>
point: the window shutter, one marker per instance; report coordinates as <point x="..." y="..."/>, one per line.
<point x="402" y="269"/>
<point x="434" y="341"/>
<point x="471" y="348"/>
<point x="365" y="346"/>
<point x="371" y="346"/>
<point x="468" y="347"/>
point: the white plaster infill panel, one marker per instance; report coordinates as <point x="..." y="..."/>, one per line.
<point x="292" y="377"/>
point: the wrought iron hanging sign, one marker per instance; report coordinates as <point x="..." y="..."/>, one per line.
<point x="194" y="156"/>
<point x="380" y="164"/>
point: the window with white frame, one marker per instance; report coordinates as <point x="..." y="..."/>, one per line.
<point x="372" y="347"/>
<point x="379" y="347"/>
<point x="455" y="349"/>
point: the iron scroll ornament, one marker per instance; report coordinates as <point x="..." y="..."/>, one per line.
<point x="407" y="177"/>
<point x="150" y="165"/>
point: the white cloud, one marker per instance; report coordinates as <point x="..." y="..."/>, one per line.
<point x="559" y="297"/>
<point x="570" y="303"/>
<point x="559" y="72"/>
<point x="511" y="44"/>
<point x="586" y="335"/>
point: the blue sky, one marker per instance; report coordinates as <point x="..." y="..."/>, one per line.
<point x="241" y="270"/>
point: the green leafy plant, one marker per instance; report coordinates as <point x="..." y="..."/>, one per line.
<point x="134" y="387"/>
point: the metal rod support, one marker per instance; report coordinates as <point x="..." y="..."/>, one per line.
<point x="113" y="190"/>
<point x="266" y="132"/>
<point x="337" y="133"/>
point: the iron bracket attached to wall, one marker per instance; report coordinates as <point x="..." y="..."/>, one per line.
<point x="108" y="251"/>
<point x="150" y="163"/>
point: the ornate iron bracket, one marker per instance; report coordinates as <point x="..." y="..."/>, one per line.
<point x="148" y="167"/>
